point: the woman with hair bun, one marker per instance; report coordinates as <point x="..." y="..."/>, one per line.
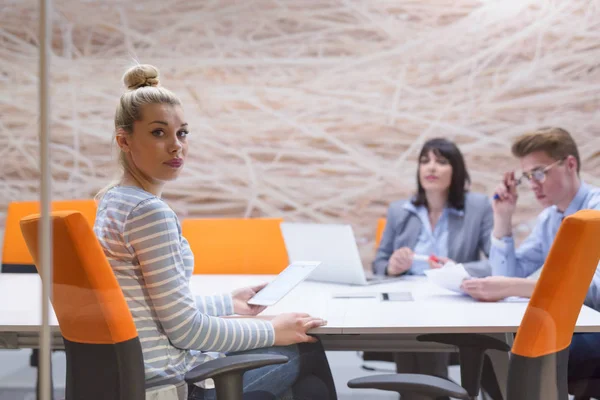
<point x="153" y="263"/>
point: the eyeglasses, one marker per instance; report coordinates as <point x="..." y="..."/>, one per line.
<point x="538" y="175"/>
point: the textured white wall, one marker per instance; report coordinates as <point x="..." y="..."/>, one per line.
<point x="311" y="110"/>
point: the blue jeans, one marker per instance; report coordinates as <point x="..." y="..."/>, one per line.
<point x="306" y="376"/>
<point x="584" y="356"/>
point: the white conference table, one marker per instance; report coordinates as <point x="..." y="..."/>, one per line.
<point x="432" y="309"/>
<point x="367" y="324"/>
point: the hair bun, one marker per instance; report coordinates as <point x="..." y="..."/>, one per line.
<point x="140" y="76"/>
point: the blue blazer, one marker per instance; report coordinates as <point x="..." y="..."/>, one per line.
<point x="469" y="234"/>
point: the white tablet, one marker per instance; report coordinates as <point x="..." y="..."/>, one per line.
<point x="284" y="282"/>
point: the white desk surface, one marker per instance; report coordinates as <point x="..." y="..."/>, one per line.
<point x="433" y="309"/>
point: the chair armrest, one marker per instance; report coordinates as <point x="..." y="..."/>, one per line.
<point x="471" y="350"/>
<point x="406" y="384"/>
<point x="232" y="364"/>
<point x="460" y="340"/>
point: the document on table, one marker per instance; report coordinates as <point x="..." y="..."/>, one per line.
<point x="515" y="299"/>
<point x="450" y="276"/>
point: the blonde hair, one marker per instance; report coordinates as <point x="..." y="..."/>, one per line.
<point x="556" y="142"/>
<point x="141" y="82"/>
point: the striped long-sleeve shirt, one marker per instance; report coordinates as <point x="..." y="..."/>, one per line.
<point x="153" y="263"/>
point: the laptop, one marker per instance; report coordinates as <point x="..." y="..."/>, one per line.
<point x="332" y="244"/>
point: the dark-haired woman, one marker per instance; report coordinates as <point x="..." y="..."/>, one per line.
<point x="442" y="219"/>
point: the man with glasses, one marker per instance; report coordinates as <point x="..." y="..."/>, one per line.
<point x="550" y="162"/>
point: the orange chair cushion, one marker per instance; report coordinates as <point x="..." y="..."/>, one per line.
<point x="550" y="318"/>
<point x="88" y="302"/>
<point x="14" y="249"/>
<point x="236" y="246"/>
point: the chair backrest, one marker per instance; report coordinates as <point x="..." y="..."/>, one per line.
<point x="103" y="350"/>
<point x="379" y="233"/>
<point x="15" y="257"/>
<point x="540" y="350"/>
<point x="236" y="246"/>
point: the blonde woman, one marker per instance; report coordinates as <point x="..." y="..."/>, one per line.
<point x="141" y="236"/>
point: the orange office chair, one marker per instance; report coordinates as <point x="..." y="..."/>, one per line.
<point x="104" y="355"/>
<point x="379" y="233"/>
<point x="15" y="257"/>
<point x="236" y="246"/>
<point x="539" y="355"/>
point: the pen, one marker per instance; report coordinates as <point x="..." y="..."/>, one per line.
<point x="421" y="257"/>
<point x="517" y="183"/>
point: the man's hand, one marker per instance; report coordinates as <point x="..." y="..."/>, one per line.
<point x="495" y="288"/>
<point x="504" y="205"/>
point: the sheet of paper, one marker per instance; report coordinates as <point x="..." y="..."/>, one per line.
<point x="450" y="276"/>
<point x="514" y="299"/>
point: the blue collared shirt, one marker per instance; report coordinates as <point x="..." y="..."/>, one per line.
<point x="430" y="241"/>
<point x="532" y="253"/>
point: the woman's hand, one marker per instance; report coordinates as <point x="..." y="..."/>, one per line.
<point x="400" y="261"/>
<point x="438" y="262"/>
<point x="293" y="328"/>
<point x="241" y="297"/>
